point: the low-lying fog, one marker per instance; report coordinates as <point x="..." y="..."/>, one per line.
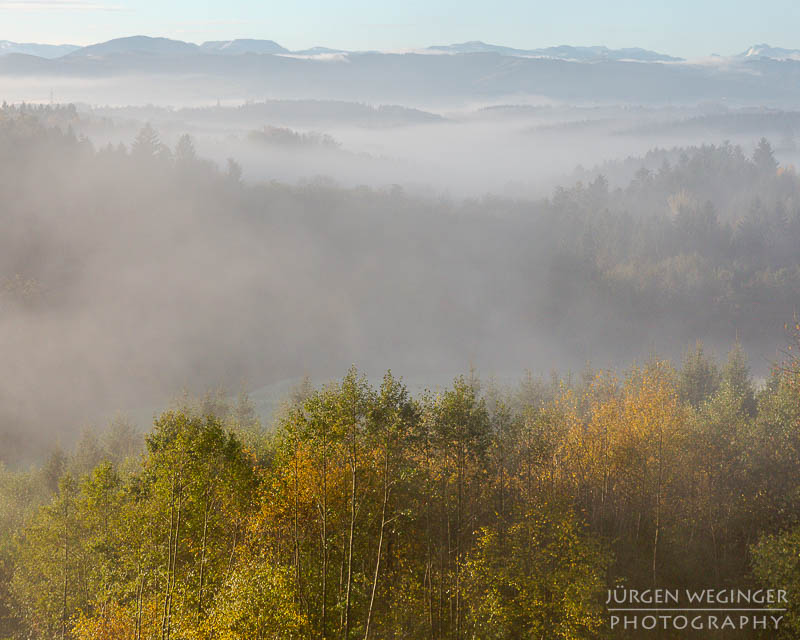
<point x="523" y="149"/>
<point x="129" y="275"/>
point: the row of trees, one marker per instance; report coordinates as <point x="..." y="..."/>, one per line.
<point x="472" y="512"/>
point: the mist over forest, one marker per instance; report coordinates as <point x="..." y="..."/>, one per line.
<point x="580" y="264"/>
<point x="143" y="268"/>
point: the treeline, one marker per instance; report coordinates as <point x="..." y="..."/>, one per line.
<point x="781" y="124"/>
<point x="284" y="137"/>
<point x="469" y="512"/>
<point x="294" y="113"/>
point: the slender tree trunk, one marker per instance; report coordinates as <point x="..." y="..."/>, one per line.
<point x="658" y="504"/>
<point x="168" y="628"/>
<point x="203" y="553"/>
<point x="140" y="591"/>
<point x="296" y="516"/>
<point x="502" y="509"/>
<point x="380" y="539"/>
<point x="66" y="566"/>
<point x="341" y="587"/>
<point x="448" y="557"/>
<point x="529" y="498"/>
<point x="459" y="516"/>
<point x="324" y="538"/>
<point x="429" y="571"/>
<point x="604" y="495"/>
<point x="353" y="463"/>
<point x="169" y="558"/>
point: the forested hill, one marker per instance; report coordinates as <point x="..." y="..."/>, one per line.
<point x="129" y="273"/>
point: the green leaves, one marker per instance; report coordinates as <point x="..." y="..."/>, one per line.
<point x="543" y="579"/>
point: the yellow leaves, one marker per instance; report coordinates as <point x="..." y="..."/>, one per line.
<point x="617" y="434"/>
<point x="117" y="622"/>
<point x="257" y="601"/>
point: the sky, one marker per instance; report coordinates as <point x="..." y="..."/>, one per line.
<point x="686" y="28"/>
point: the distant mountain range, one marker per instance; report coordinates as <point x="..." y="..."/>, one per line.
<point x="234" y="47"/>
<point x="240" y="70"/>
<point x="140" y="45"/>
<point x="38" y="50"/>
<point x="144" y="45"/>
<point x="773" y="53"/>
<point x="564" y="52"/>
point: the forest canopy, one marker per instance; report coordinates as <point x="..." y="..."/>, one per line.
<point x="471" y="511"/>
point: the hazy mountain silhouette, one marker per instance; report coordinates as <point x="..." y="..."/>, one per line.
<point x="563" y="52"/>
<point x="252" y="69"/>
<point x="234" y="47"/>
<point x="775" y="53"/>
<point x="33" y="49"/>
<point x="138" y="45"/>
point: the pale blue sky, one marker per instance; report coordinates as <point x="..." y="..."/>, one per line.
<point x="688" y="28"/>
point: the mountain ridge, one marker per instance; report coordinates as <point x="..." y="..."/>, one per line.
<point x="148" y="45"/>
<point x="560" y="52"/>
<point x="242" y="46"/>
<point x="47" y="51"/>
<point x="770" y="52"/>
